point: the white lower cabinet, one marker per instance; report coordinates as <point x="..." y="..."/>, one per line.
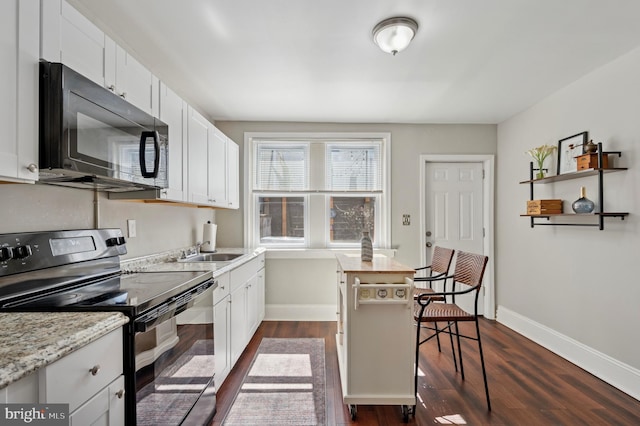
<point x="239" y="320"/>
<point x="24" y="390"/>
<point x="105" y="408"/>
<point x="238" y="309"/>
<point x="221" y="329"/>
<point x="89" y="379"/>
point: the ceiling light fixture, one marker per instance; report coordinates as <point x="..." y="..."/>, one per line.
<point x="393" y="35"/>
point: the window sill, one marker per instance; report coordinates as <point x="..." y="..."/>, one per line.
<point x="273" y="253"/>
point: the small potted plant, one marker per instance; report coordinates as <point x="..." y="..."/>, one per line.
<point x="539" y="154"/>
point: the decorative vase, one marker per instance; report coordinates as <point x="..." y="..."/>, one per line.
<point x="366" y="247"/>
<point x="583" y="205"/>
<point x="540" y="172"/>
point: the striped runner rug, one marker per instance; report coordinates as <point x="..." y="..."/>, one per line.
<point x="285" y="385"/>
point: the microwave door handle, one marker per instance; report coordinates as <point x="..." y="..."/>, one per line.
<point x="143" y="152"/>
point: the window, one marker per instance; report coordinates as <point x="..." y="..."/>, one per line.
<point x="316" y="191"/>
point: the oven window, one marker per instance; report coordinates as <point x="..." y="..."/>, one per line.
<point x="174" y="365"/>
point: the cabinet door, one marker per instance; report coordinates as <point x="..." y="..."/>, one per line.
<point x="70" y="38"/>
<point x="19" y="32"/>
<point x="116" y="402"/>
<point x="218" y="168"/>
<point x="238" y="322"/>
<point x="105" y="408"/>
<point x="233" y="174"/>
<point x="173" y="112"/>
<point x="198" y="135"/>
<point x="261" y="295"/>
<point x="222" y="339"/>
<point x="134" y="82"/>
<point x="252" y="305"/>
<point x="23" y="391"/>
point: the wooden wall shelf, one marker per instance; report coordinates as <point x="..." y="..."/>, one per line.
<point x="601" y="214"/>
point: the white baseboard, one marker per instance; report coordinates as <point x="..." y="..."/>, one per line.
<point x="300" y="312"/>
<point x="612" y="371"/>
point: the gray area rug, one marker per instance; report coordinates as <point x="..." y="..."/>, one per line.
<point x="285" y="385"/>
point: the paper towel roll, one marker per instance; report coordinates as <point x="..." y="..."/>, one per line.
<point x="209" y="237"/>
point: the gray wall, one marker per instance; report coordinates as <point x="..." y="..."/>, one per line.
<point x="306" y="286"/>
<point x="576" y="289"/>
<point x="408" y="141"/>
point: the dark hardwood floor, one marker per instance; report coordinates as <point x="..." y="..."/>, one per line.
<point x="529" y="385"/>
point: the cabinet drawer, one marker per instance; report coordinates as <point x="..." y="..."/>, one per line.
<point x="222" y="290"/>
<point x="71" y="380"/>
<point x="244" y="272"/>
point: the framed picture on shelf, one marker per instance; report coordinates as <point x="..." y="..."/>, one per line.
<point x="568" y="149"/>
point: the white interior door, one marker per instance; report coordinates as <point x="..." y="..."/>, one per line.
<point x="454" y="213"/>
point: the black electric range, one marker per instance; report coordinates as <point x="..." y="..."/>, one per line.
<point x="79" y="270"/>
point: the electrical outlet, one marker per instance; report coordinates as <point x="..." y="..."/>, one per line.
<point x="406" y="219"/>
<point x="131" y="228"/>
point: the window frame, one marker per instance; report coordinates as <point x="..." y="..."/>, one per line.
<point x="316" y="227"/>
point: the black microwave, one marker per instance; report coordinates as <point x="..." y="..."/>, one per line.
<point x="92" y="138"/>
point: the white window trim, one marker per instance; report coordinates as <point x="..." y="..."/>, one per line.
<point x="249" y="211"/>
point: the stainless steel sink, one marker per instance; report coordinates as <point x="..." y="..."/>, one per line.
<point x="212" y="257"/>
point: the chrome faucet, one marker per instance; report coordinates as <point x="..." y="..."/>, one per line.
<point x="200" y="244"/>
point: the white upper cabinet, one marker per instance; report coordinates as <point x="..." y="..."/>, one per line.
<point x="210" y="176"/>
<point x="129" y="79"/>
<point x="198" y="136"/>
<point x="72" y="39"/>
<point x="203" y="161"/>
<point x="218" y="168"/>
<point x="173" y="111"/>
<point x="233" y="174"/>
<point x="19" y="31"/>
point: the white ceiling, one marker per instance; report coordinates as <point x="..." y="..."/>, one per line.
<point x="472" y="61"/>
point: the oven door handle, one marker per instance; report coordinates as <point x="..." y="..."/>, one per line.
<point x="174" y="306"/>
<point x="152" y="319"/>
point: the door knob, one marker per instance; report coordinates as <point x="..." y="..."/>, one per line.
<point x="429" y="244"/>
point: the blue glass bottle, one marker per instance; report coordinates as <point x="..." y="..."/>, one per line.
<point x="583" y="205"/>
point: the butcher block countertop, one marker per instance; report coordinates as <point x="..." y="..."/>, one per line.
<point x="379" y="263"/>
<point x="32" y="340"/>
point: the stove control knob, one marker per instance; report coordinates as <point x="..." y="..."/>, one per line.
<point x="112" y="242"/>
<point x="6" y="253"/>
<point x="20" y="252"/>
<point x="121" y="241"/>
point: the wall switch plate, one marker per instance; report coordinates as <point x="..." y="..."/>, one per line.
<point x="131" y="228"/>
<point x="406" y="219"/>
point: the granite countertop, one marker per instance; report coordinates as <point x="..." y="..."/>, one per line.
<point x="32" y="340"/>
<point x="166" y="262"/>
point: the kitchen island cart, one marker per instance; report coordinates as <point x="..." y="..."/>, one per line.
<point x="375" y="336"/>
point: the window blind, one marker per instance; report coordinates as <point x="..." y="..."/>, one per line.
<point x="281" y="167"/>
<point x="354" y="167"/>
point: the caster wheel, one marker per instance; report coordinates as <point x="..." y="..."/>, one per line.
<point x="405" y="414"/>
